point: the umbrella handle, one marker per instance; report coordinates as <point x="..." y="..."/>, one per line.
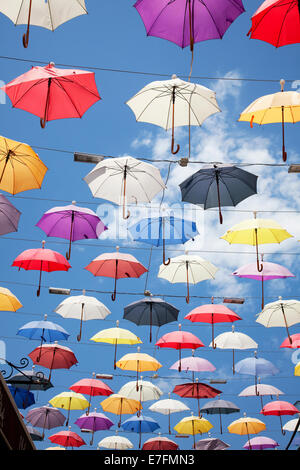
<point x="173" y="113"/>
<point x="249" y="32"/>
<point x="125" y="217"/>
<point x="26" y="35"/>
<point x="284" y="154"/>
<point x="172" y="147"/>
<point x="43" y="123"/>
<point x="187" y="298"/>
<point x="81" y="318"/>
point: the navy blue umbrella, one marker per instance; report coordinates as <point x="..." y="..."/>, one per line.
<point x="23" y="398"/>
<point x="218" y="185"/>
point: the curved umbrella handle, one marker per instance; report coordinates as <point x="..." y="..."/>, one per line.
<point x="187" y="298"/>
<point x="43" y="123"/>
<point x="113" y="296"/>
<point x="26" y="39"/>
<point x="38" y="291"/>
<point x="125" y="217"/>
<point x="172" y="147"/>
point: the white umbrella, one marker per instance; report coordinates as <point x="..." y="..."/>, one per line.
<point x="172" y="103"/>
<point x="125" y="179"/>
<point x="187" y="268"/>
<point x="116" y="443"/>
<point x="280" y="313"/>
<point x="291" y="425"/>
<point x="83" y="308"/>
<point x="233" y="340"/>
<point x="146" y="391"/>
<point x="260" y="390"/>
<point x="47" y="14"/>
<point x="167" y="407"/>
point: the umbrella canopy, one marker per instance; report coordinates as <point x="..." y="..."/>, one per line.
<point x="23" y="398"/>
<point x="116" y="443"/>
<point x="193" y="425"/>
<point x="151" y="311"/>
<point x="44" y="330"/>
<point x="261" y="443"/>
<point x="219" y="407"/>
<point x="164" y="230"/>
<point x="276" y="22"/>
<point x="20" y="167"/>
<point x="246" y="425"/>
<point x="9" y="216"/>
<point x="121" y="405"/>
<point x="188" y="269"/>
<point x="279" y="408"/>
<point x="196" y="390"/>
<point x="138" y="362"/>
<point x="67" y="439"/>
<point x="260" y="390"/>
<point x="83" y="308"/>
<point x="71" y="223"/>
<point x="94" y="422"/>
<point x="116" y="336"/>
<point x="147" y="391"/>
<point x="291" y="425"/>
<point x="51" y="93"/>
<point x="140" y="424"/>
<point x="125" y="179"/>
<point x="41" y="259"/>
<point x="211" y="444"/>
<point x="257" y="367"/>
<point x="167" y="407"/>
<point x="233" y="340"/>
<point x="297" y="369"/>
<point x="160" y="443"/>
<point x="34" y="433"/>
<point x="218" y="185"/>
<point x="53" y="356"/>
<point x="195" y="364"/>
<point x="92" y="387"/>
<point x="46" y="417"/>
<point x="172" y="103"/>
<point x="49" y="15"/>
<point x="294" y="344"/>
<point x="69" y="401"/>
<point x="30" y="380"/>
<point x="8" y="301"/>
<point x="268" y="272"/>
<point x="116" y="265"/>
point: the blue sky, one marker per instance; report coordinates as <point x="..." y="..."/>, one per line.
<point x="112" y="38"/>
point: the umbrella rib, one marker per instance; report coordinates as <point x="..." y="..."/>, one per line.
<point x="38" y="82"/>
<point x="9" y="219"/>
<point x="60" y="85"/>
<point x="21" y="6"/>
<point x="50" y="16"/>
<point x="290" y="7"/>
<point x="212" y="18"/>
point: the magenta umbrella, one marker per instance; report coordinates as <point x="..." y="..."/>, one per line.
<point x="260" y="443"/>
<point x="269" y="271"/>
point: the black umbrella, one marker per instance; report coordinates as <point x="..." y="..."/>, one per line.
<point x="219" y="407"/>
<point x="218" y="185"/>
<point x="150" y="311"/>
<point x="30" y="380"/>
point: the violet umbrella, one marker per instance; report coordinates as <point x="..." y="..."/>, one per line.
<point x="46" y="417"/>
<point x="71" y="223"/>
<point x="94" y="422"/>
<point x="194" y="364"/>
<point x="269" y="271"/>
<point x="211" y="444"/>
<point x="9" y="216"/>
<point x="260" y="443"/>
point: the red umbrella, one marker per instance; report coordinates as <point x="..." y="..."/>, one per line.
<point x="53" y="356"/>
<point x="41" y="259"/>
<point x="196" y="390"/>
<point x="92" y="387"/>
<point x="116" y="265"/>
<point x="279" y="408"/>
<point x="67" y="439"/>
<point x="276" y="22"/>
<point x="212" y="313"/>
<point x="52" y="93"/>
<point x="294" y="343"/>
<point x="160" y="443"/>
<point x="179" y="340"/>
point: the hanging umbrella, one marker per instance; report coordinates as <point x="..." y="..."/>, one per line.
<point x="211" y="444"/>
<point x="9" y="216"/>
<point x="257" y="367"/>
<point x="156" y="104"/>
<point x="121" y="405"/>
<point x="45" y="417"/>
<point x="195" y="364"/>
<point x="51" y="93"/>
<point x="168" y="407"/>
<point x="125" y="179"/>
<point x="219" y="407"/>
<point x="55" y="448"/>
<point x="246" y="425"/>
<point x="151" y="311"/>
<point x="147" y="391"/>
<point x="20" y="167"/>
<point x="233" y="340"/>
<point x="93" y="422"/>
<point x="71" y="223"/>
<point x="49" y="15"/>
<point x="281" y="107"/>
<point x="164" y="230"/>
<point x="212" y="313"/>
<point x="41" y="259"/>
<point x="260" y="390"/>
<point x="261" y="443"/>
<point x="291" y="425"/>
<point x="30" y="380"/>
<point x="269" y="271"/>
<point x="179" y="340"/>
<point x="256" y="232"/>
<point x="53" y="356"/>
<point x="196" y="390"/>
<point x="92" y="387"/>
<point x="193" y="425"/>
<point x="297" y="369"/>
<point x="279" y="408"/>
<point x="160" y="443"/>
<point x="188" y="269"/>
<point x="116" y="265"/>
<point x="8" y="301"/>
<point x="116" y="336"/>
<point x="83" y="308"/>
<point x="294" y="344"/>
<point x="218" y="185"/>
<point x="34" y="433"/>
<point x="140" y="424"/>
<point x="280" y="313"/>
<point x="69" y="401"/>
<point x="23" y="398"/>
<point x="67" y="439"/>
<point x="276" y="22"/>
<point x="115" y="443"/>
<point x="138" y="362"/>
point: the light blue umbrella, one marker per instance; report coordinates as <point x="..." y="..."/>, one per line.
<point x="162" y="231"/>
<point x="258" y="367"/>
<point x="140" y="424"/>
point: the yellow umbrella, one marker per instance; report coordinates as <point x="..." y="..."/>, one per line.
<point x="281" y="107"/>
<point x="246" y="425"/>
<point x="69" y="401"/>
<point x="116" y="336"/>
<point x="8" y="301"/>
<point x="121" y="405"/>
<point x="256" y="232"/>
<point x="20" y="167"/>
<point x="297" y="369"/>
<point x="138" y="362"/>
<point x="193" y="425"/>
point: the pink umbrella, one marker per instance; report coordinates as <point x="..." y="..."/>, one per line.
<point x="294" y="344"/>
<point x="116" y="265"/>
<point x="195" y="364"/>
<point x="269" y="271"/>
<point x="260" y="443"/>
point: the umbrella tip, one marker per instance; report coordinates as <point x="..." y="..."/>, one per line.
<point x="51" y="64"/>
<point x="73" y="203"/>
<point x="138" y="349"/>
<point x="117" y="248"/>
<point x="174" y="76"/>
<point x="179" y="326"/>
<point x="117" y="322"/>
<point x="279" y="297"/>
<point x="45" y="316"/>
<point x="232" y="327"/>
<point x="282" y="82"/>
<point x="254" y="214"/>
<point x="43" y="243"/>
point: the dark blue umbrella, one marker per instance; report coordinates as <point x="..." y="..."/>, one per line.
<point x="219" y="407"/>
<point x="150" y="311"/>
<point x="218" y="185"/>
<point x="162" y="231"/>
<point x="140" y="424"/>
<point x="23" y="398"/>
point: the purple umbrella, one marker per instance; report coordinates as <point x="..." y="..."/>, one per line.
<point x="9" y="216"/>
<point x="93" y="422"/>
<point x="71" y="223"/>
<point x="45" y="417"/>
<point x="260" y="443"/>
<point x="194" y="364"/>
<point x="211" y="444"/>
<point x="269" y="271"/>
